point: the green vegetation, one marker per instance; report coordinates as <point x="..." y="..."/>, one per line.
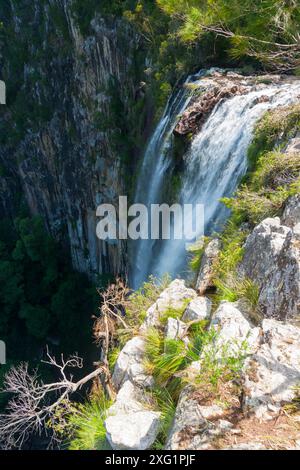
<point x="163" y="401"/>
<point x="264" y="31"/>
<point x="80" y="426"/>
<point x="86" y="425"/>
<point x="275" y="128"/>
<point x="167" y="360"/>
<point x="41" y="296"/>
<point x="221" y="364"/>
<point x="172" y="312"/>
<point x="196" y="252"/>
<point x="142" y="299"/>
<point x="293" y="407"/>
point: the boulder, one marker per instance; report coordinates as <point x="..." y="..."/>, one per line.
<point x="293" y="145"/>
<point x="291" y="214"/>
<point x="194" y="427"/>
<point x="195" y="115"/>
<point x="175" y="296"/>
<point x="234" y="329"/>
<point x="273" y="370"/>
<point x="175" y="329"/>
<point x="189" y="424"/>
<point x="206" y="271"/>
<point x="272" y="260"/>
<point x="136" y="431"/>
<point x="198" y="309"/>
<point x="129" y="365"/>
<point x="130" y="425"/>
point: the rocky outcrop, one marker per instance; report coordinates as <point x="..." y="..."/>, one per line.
<point x="129" y="365"/>
<point x="270" y="374"/>
<point x="130" y="425"/>
<point x="272" y="261"/>
<point x="175" y="329"/>
<point x="273" y="370"/>
<point x="198" y="309"/>
<point x="192" y="429"/>
<point x="195" y="116"/>
<point x="175" y="296"/>
<point x="209" y="258"/>
<point x="267" y="356"/>
<point x="216" y="86"/>
<point x="291" y="214"/>
<point x="234" y="329"/>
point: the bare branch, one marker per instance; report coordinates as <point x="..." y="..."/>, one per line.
<point x="34" y="403"/>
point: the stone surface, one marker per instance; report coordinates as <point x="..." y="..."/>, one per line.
<point x="272" y="261"/>
<point x="188" y="424"/>
<point x="211" y="411"/>
<point x="234" y="329"/>
<point x="129" y="365"/>
<point x="198" y="309"/>
<point x="246" y="446"/>
<point x="195" y="115"/>
<point x="225" y="425"/>
<point x="291" y="214"/>
<point x="192" y="428"/>
<point x="130" y="425"/>
<point x="175" y="296"/>
<point x="274" y="369"/>
<point x="293" y="145"/>
<point x="175" y="329"/>
<point x="65" y="164"/>
<point x="206" y="271"/>
<point x="136" y="431"/>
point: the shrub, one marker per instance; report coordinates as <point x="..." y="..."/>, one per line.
<point x="166" y="405"/>
<point x="87" y="425"/>
<point x="221" y="364"/>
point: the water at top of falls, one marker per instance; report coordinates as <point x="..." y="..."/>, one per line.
<point x="214" y="165"/>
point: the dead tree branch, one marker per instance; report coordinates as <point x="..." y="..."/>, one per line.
<point x="112" y="312"/>
<point x="34" y="403"/>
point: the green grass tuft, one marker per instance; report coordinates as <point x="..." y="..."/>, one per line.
<point x="87" y="424"/>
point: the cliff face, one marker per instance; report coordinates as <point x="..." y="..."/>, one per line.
<point x="60" y="149"/>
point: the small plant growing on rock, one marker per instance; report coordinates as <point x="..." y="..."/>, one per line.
<point x="87" y="425"/>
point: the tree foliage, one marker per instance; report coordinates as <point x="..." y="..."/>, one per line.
<point x="40" y="295"/>
<point x="267" y="30"/>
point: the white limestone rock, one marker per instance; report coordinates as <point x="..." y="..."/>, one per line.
<point x="175" y="329"/>
<point x="234" y="329"/>
<point x="274" y="370"/>
<point x="198" y="309"/>
<point x="291" y="214"/>
<point x="192" y="428"/>
<point x="130" y="424"/>
<point x="175" y="296"/>
<point x="272" y="261"/>
<point x="206" y="271"/>
<point x="129" y="365"/>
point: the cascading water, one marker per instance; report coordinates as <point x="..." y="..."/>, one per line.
<point x="214" y="164"/>
<point x="155" y="164"/>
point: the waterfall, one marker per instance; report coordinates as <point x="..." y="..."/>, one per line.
<point x="214" y="164"/>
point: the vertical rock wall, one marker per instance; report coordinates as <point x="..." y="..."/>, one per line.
<point x="64" y="154"/>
